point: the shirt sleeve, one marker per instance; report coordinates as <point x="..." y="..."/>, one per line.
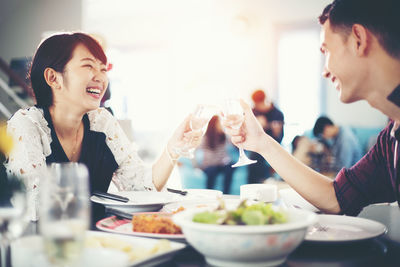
<point x="28" y="156"/>
<point x="132" y="173"/>
<point x="368" y="181"/>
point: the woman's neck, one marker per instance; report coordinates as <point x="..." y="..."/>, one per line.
<point x="66" y="121"/>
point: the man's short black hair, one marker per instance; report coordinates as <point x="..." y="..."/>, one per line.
<point x="381" y="17"/>
<point x="320" y="125"/>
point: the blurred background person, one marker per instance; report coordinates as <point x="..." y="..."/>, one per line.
<point x="271" y="119"/>
<point x="313" y="153"/>
<point x="215" y="157"/>
<point x="340" y="140"/>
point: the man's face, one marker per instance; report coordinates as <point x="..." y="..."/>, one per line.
<point x="342" y="65"/>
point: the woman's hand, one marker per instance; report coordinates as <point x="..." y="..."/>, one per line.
<point x="250" y="135"/>
<point x="184" y="137"/>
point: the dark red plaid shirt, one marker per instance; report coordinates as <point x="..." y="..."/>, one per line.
<point x="372" y="179"/>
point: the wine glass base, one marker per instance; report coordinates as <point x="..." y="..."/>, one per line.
<point x="243" y="162"/>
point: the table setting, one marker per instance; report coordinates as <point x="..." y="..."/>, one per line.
<point x="62" y="237"/>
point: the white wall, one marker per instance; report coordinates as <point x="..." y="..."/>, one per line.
<point x="22" y="23"/>
<point x="183" y="24"/>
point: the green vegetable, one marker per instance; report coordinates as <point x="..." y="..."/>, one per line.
<point x="256" y="214"/>
<point x="254" y="217"/>
<point x="211" y="217"/>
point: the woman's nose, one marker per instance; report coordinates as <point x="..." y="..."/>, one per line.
<point x="99" y="75"/>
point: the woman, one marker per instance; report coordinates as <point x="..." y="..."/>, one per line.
<point x="68" y="77"/>
<point x="215" y="155"/>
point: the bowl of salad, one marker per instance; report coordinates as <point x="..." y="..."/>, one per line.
<point x="256" y="234"/>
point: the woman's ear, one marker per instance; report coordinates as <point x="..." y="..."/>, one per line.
<point x="52" y="78"/>
<point x="361" y="38"/>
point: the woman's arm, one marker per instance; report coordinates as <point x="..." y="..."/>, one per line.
<point x="132" y="173"/>
<point x="28" y="156"/>
<point x="314" y="187"/>
<point x="163" y="167"/>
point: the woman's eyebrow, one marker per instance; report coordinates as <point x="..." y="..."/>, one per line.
<point x="87" y="58"/>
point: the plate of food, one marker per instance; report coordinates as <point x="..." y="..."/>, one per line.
<point x="144" y="224"/>
<point x="137" y="201"/>
<point x="341" y="228"/>
<point x="100" y="249"/>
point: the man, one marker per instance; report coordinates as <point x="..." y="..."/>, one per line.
<point x="271" y="119"/>
<point x="360" y="39"/>
<point x="341" y="141"/>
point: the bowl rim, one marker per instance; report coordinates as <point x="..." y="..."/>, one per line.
<point x="182" y="219"/>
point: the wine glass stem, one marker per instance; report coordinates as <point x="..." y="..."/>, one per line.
<point x="5" y="252"/>
<point x="241" y="152"/>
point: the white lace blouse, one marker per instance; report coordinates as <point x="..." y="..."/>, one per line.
<point x="32" y="136"/>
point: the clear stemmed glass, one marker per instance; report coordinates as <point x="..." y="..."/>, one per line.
<point x="64" y="212"/>
<point x="13" y="218"/>
<point x="233" y="114"/>
<point x="198" y="122"/>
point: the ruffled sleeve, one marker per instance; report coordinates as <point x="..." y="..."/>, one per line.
<point x="32" y="139"/>
<point x="132" y="173"/>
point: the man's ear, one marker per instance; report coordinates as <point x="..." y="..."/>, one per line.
<point x="52" y="78"/>
<point x="361" y="39"/>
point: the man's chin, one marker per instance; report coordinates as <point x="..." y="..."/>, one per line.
<point x="347" y="99"/>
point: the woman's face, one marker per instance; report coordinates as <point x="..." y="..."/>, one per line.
<point x="84" y="81"/>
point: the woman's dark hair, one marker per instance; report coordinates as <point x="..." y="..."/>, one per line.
<point x="380" y="17"/>
<point x="320" y="125"/>
<point x="55" y="52"/>
<point x="214" y="137"/>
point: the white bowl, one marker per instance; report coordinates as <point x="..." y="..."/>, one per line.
<point x="243" y="245"/>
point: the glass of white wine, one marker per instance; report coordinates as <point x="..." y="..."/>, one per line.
<point x="64" y="212"/>
<point x="233" y="114"/>
<point x="198" y="122"/>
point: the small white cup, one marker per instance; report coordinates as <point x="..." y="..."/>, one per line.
<point x="259" y="192"/>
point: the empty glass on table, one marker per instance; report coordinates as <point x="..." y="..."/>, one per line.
<point x="64" y="212"/>
<point x="13" y="215"/>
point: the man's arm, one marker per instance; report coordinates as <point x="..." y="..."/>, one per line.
<point x="314" y="187"/>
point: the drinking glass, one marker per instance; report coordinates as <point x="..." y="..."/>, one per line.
<point x="64" y="212"/>
<point x="13" y="216"/>
<point x="198" y="122"/>
<point x="233" y="114"/>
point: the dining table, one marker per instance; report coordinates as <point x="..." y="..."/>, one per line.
<point x="380" y="251"/>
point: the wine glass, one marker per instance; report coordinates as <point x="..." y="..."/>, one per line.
<point x="64" y="212"/>
<point x="198" y="122"/>
<point x="233" y="114"/>
<point x="13" y="215"/>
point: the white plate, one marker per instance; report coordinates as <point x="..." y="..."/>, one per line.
<point x="199" y="194"/>
<point x="28" y="252"/>
<point x="292" y="199"/>
<point x="124" y="226"/>
<point x="140" y="201"/>
<point x="340" y="228"/>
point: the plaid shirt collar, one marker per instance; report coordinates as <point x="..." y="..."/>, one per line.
<point x="395" y="131"/>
